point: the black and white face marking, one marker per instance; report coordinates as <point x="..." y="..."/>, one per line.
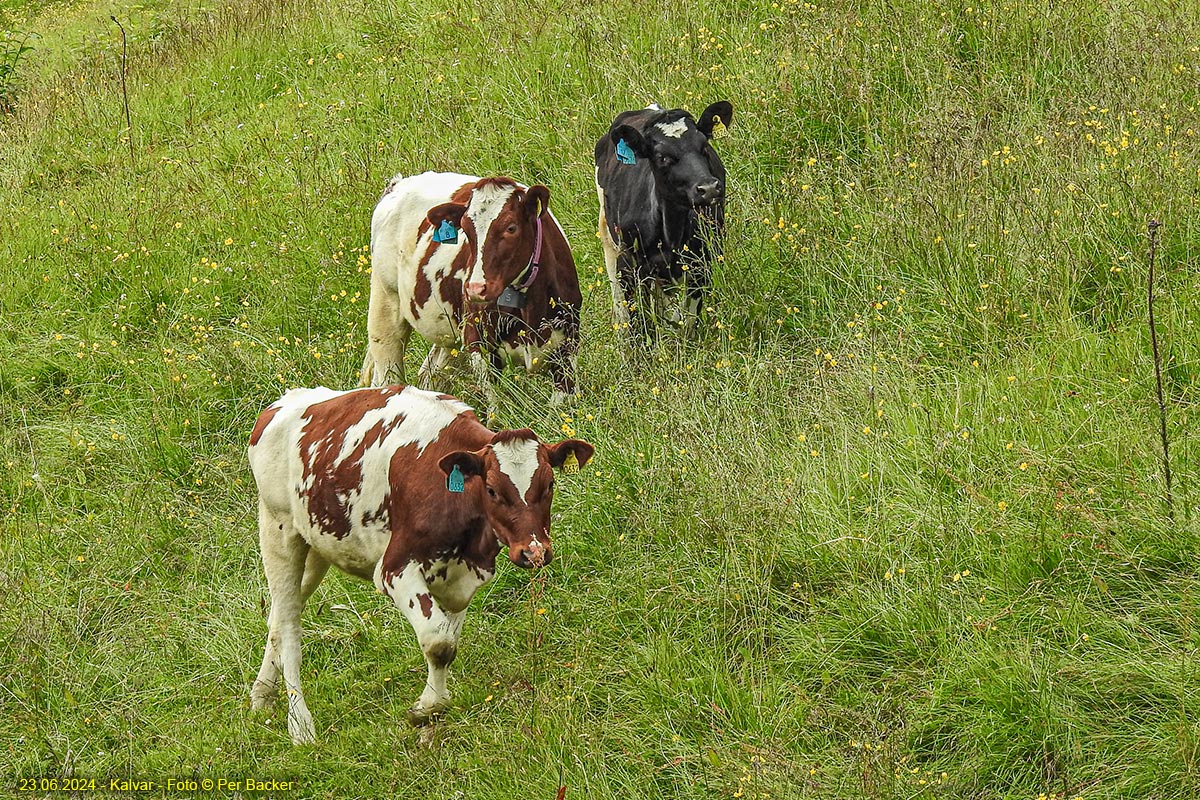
<point x="680" y="157"/>
<point x="673" y="130"/>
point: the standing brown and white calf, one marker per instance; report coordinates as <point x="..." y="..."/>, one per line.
<point x="401" y="487"/>
<point x="479" y="263"/>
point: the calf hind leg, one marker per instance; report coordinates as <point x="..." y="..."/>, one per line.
<point x="266" y="685"/>
<point x="286" y="562"/>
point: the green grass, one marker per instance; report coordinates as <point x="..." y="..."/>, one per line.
<point x="893" y="527"/>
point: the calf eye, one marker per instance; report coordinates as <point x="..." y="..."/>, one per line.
<point x="511" y="228"/>
<point x="664" y="160"/>
<point x="491" y="493"/>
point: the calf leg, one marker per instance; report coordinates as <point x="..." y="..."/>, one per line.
<point x="387" y="338"/>
<point x="430" y="375"/>
<point x="704" y="248"/>
<point x="640" y="300"/>
<point x="693" y="304"/>
<point x="266" y="685"/>
<point x="611" y="251"/>
<point x="485" y="371"/>
<point x="563" y="361"/>
<point x="563" y="365"/>
<point x="285" y="555"/>
<point x="437" y="632"/>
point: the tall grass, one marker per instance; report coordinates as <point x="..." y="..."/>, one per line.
<point x="890" y="527"/>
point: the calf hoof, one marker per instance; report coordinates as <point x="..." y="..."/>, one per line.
<point x="263" y="696"/>
<point x="301" y="731"/>
<point x="419" y="717"/>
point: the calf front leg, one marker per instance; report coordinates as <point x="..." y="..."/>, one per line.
<point x="703" y="250"/>
<point x="431" y="375"/>
<point x="563" y="361"/>
<point x="696" y="284"/>
<point x="637" y="299"/>
<point x="485" y="369"/>
<point x="437" y="632"/>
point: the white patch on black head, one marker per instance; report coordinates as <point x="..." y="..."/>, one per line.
<point x="518" y="460"/>
<point x="673" y="129"/>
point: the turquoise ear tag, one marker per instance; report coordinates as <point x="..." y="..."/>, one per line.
<point x="455" y="482"/>
<point x="624" y="154"/>
<point x="446" y="234"/>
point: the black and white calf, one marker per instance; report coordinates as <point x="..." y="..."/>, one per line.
<point x="662" y="212"/>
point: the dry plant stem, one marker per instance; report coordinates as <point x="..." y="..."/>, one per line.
<point x="1152" y="227"/>
<point x="124" y="88"/>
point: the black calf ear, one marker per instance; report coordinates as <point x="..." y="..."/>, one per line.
<point x="720" y="111"/>
<point x="581" y="450"/>
<point x="537" y="201"/>
<point x="633" y="140"/>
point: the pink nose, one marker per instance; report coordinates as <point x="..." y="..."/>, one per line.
<point x="534" y="555"/>
<point x="475" y="291"/>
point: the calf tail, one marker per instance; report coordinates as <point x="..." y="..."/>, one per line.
<point x="391" y="185"/>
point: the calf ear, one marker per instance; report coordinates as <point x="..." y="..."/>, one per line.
<point x="633" y="137"/>
<point x="537" y="201"/>
<point x="468" y="463"/>
<point x="720" y="111"/>
<point x="453" y="212"/>
<point x="581" y="450"/>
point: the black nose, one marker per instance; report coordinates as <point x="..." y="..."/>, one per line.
<point x="708" y="192"/>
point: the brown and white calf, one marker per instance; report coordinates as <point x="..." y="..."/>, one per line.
<point x="503" y="290"/>
<point x="401" y="487"/>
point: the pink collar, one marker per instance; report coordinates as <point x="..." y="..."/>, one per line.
<point x="534" y="260"/>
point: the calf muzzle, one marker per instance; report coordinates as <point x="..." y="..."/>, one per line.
<point x="475" y="293"/>
<point x="707" y="193"/>
<point x="535" y="554"/>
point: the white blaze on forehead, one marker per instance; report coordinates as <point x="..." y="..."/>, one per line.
<point x="486" y="204"/>
<point x="519" y="461"/>
<point x="673" y="129"/>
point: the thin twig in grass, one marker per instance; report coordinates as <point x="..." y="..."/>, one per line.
<point x="29" y="441"/>
<point x="537" y="589"/>
<point x="124" y="89"/>
<point x="1152" y="228"/>
<point x="36" y="474"/>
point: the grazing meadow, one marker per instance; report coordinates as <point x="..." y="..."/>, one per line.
<point x="894" y="524"/>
